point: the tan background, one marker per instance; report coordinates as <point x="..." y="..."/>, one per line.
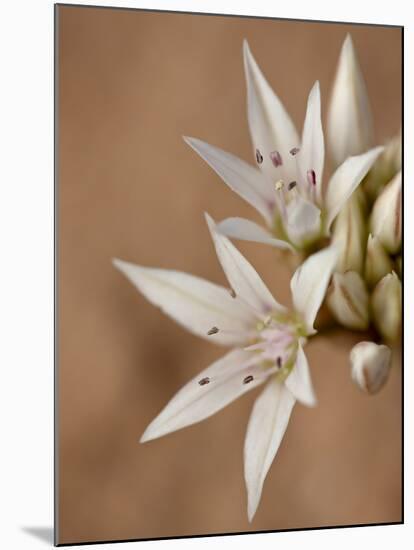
<point x="130" y="84"/>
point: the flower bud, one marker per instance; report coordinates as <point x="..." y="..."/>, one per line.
<point x="384" y="168"/>
<point x="349" y="300"/>
<point x="370" y="365"/>
<point x="386" y="216"/>
<point x="377" y="261"/>
<point x="350" y="235"/>
<point x="387" y="307"/>
<point x="350" y="129"/>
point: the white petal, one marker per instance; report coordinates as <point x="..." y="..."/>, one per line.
<point x="312" y="151"/>
<point x="271" y="128"/>
<point x="266" y="428"/>
<point x="196" y="304"/>
<point x="195" y="402"/>
<point x="299" y="381"/>
<point x="303" y="222"/>
<point x="242" y="276"/>
<point x="310" y="281"/>
<point x="242" y="178"/>
<point x="246" y="230"/>
<point x="350" y="128"/>
<point x="345" y="180"/>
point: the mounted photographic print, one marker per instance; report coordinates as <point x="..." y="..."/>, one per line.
<point x="229" y="274"/>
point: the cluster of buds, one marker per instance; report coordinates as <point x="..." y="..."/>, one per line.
<point x="366" y="289"/>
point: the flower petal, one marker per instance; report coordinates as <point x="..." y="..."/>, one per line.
<point x="350" y="128"/>
<point x="303" y="223"/>
<point x="299" y="381"/>
<point x="271" y="128"/>
<point x="267" y="425"/>
<point x="246" y="230"/>
<point x="196" y="304"/>
<point x="312" y="151"/>
<point x="195" y="401"/>
<point x="309" y="284"/>
<point x="345" y="180"/>
<point x="241" y="275"/>
<point x="242" y="178"/>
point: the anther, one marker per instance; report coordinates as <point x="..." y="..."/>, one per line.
<point x="232" y="293"/>
<point x="279" y="362"/>
<point x="294" y="151"/>
<point x="276" y="158"/>
<point x="259" y="157"/>
<point x="248" y="379"/>
<point x="292" y="185"/>
<point x="279" y="185"/>
<point x="204" y="381"/>
<point x="213" y="330"/>
<point x="311" y="176"/>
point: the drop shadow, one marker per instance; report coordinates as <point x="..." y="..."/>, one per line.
<point x="44" y="534"/>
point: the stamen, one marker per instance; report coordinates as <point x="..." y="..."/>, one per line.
<point x="276" y="158"/>
<point x="259" y="158"/>
<point x="279" y="185"/>
<point x="311" y="176"/>
<point x="213" y="330"/>
<point x="248" y="379"/>
<point x="204" y="381"/>
<point x="292" y="185"/>
<point x="279" y="362"/>
<point x="294" y="151"/>
<point x="232" y="293"/>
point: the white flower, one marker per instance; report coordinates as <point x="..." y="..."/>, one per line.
<point x="267" y="341"/>
<point x="350" y="127"/>
<point x="370" y="365"/>
<point x="286" y="186"/>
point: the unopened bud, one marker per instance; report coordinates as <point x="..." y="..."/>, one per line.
<point x="370" y="366"/>
<point x="349" y="300"/>
<point x="350" y="129"/>
<point x="377" y="262"/>
<point x="386" y="216"/>
<point x="384" y="169"/>
<point x="350" y="235"/>
<point x="386" y="304"/>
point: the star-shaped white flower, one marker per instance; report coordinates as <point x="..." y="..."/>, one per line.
<point x="267" y="346"/>
<point x="286" y="185"/>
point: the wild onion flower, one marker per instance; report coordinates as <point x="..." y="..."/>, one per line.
<point x="267" y="347"/>
<point x="285" y="186"/>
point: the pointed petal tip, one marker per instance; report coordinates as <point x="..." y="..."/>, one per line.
<point x="119" y="264"/>
<point x="348" y="42"/>
<point x="146" y="436"/>
<point x="250" y="514"/>
<point x="246" y="47"/>
<point x="316" y="86"/>
<point x="210" y="222"/>
<point x="191" y="141"/>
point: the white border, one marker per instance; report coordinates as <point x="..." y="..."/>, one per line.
<point x="26" y="296"/>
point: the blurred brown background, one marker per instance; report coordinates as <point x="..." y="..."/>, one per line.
<point x="130" y="84"/>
